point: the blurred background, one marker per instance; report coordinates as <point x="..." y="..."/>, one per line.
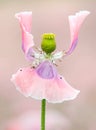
<point x="79" y="69"/>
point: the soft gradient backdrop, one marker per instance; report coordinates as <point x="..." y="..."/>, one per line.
<point x="79" y="69"/>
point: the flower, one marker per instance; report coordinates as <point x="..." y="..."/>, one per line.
<point x="30" y="121"/>
<point x="41" y="80"/>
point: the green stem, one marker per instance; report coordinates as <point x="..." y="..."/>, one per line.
<point x="43" y="109"/>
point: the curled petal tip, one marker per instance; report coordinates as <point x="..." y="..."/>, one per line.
<point x="23" y="13"/>
<point x="84" y="12"/>
<point x="20" y="15"/>
<point x="25" y="20"/>
<point x="75" y="22"/>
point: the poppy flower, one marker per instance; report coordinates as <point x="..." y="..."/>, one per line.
<point x="30" y="121"/>
<point x="41" y="80"/>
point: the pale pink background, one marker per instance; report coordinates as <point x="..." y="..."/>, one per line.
<point x="79" y="69"/>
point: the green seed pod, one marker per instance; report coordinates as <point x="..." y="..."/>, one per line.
<point x="48" y="43"/>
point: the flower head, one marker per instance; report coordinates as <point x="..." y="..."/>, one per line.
<point x="30" y="121"/>
<point x="41" y="80"/>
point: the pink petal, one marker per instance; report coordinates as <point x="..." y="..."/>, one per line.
<point x="59" y="90"/>
<point x="25" y="20"/>
<point x="30" y="120"/>
<point x="75" y="22"/>
<point x="31" y="83"/>
<point x="23" y="80"/>
<point x="46" y="70"/>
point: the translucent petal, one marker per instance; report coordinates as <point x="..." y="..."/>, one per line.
<point x="54" y="89"/>
<point x="25" y="20"/>
<point x="75" y="22"/>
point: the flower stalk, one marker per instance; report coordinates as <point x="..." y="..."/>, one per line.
<point x="43" y="112"/>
